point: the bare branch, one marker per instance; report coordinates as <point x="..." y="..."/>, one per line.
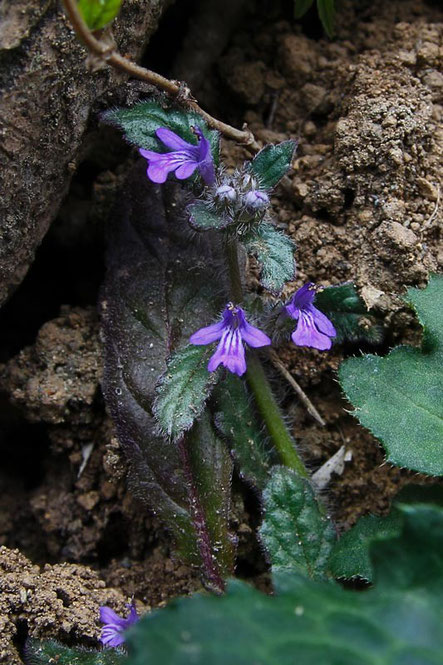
<point x="172" y="88"/>
<point x="300" y="392"/>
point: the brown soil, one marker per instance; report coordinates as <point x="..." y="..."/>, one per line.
<point x="361" y="203"/>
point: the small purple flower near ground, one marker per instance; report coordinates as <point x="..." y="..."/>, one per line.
<point x="115" y="625"/>
<point x="232" y="331"/>
<point x="184" y="158"/>
<point x="313" y="327"/>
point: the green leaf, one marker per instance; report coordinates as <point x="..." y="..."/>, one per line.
<point x="275" y="253"/>
<point x="399" y="396"/>
<point x="347" y="311"/>
<point x="49" y="652"/>
<point x="235" y="419"/>
<point x="272" y="163"/>
<point x="301" y="7"/>
<point x="296" y="532"/>
<point x="413" y="560"/>
<point x="204" y="218"/>
<point x="326" y="12"/>
<point x="183" y="389"/>
<point x="350" y="556"/>
<point x="159" y="289"/>
<point x="314" y="622"/>
<point x="140" y="122"/>
<point x="98" y="13"/>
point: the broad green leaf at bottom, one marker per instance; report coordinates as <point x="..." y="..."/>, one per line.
<point x="313" y="622"/>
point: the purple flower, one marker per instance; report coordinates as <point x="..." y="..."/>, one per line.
<point x="115" y="625"/>
<point x="232" y="331"/>
<point x="313" y="327"/>
<point x="256" y="200"/>
<point x="184" y="158"/>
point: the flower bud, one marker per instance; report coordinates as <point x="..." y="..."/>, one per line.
<point x="256" y="200"/>
<point x="225" y="194"/>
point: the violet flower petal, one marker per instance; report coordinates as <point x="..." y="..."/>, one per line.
<point x="207" y="171"/>
<point x="306" y="334"/>
<point x="230" y="352"/>
<point x="115" y="625"/>
<point x="173" y="140"/>
<point x="253" y="336"/>
<point x="304" y="296"/>
<point x="107" y="615"/>
<point x="161" y="164"/>
<point x="185" y="170"/>
<point x="208" y="334"/>
<point x="111" y="636"/>
<point x="321" y="321"/>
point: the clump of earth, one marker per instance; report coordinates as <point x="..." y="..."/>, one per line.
<point x="362" y="203"/>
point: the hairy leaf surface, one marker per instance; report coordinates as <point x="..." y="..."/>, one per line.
<point x="349" y="314"/>
<point x="311" y="622"/>
<point x="204" y="218"/>
<point x="140" y="122"/>
<point x="275" y="253"/>
<point x="158" y="291"/>
<point x="350" y="556"/>
<point x="183" y="389"/>
<point x="296" y="532"/>
<point x="50" y="652"/>
<point x="272" y="163"/>
<point x="399" y="397"/>
<point x="98" y="13"/>
<point x="237" y="422"/>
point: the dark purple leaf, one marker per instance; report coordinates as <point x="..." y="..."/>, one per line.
<point x="162" y="285"/>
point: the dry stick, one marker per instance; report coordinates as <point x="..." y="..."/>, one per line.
<point x="290" y="379"/>
<point x="435" y="211"/>
<point x="172" y="88"/>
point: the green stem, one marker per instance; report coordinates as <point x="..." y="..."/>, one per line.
<point x="258" y="382"/>
<point x="234" y="271"/>
<point x="271" y="414"/>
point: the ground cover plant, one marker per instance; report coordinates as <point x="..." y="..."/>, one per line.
<point x="202" y="302"/>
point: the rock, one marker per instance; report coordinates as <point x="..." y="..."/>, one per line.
<point x="399" y="236"/>
<point x="48" y="97"/>
<point x="58" y="377"/>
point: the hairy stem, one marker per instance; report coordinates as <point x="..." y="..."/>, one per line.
<point x="173" y="88"/>
<point x="271" y="414"/>
<point x="234" y="271"/>
<point x="258" y="382"/>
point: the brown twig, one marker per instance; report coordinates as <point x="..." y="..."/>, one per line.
<point x="173" y="88"/>
<point x="300" y="392"/>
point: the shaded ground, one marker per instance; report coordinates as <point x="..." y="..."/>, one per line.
<point x="361" y="203"/>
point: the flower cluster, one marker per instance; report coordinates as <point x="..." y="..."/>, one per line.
<point x="313" y="329"/>
<point x="239" y="197"/>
